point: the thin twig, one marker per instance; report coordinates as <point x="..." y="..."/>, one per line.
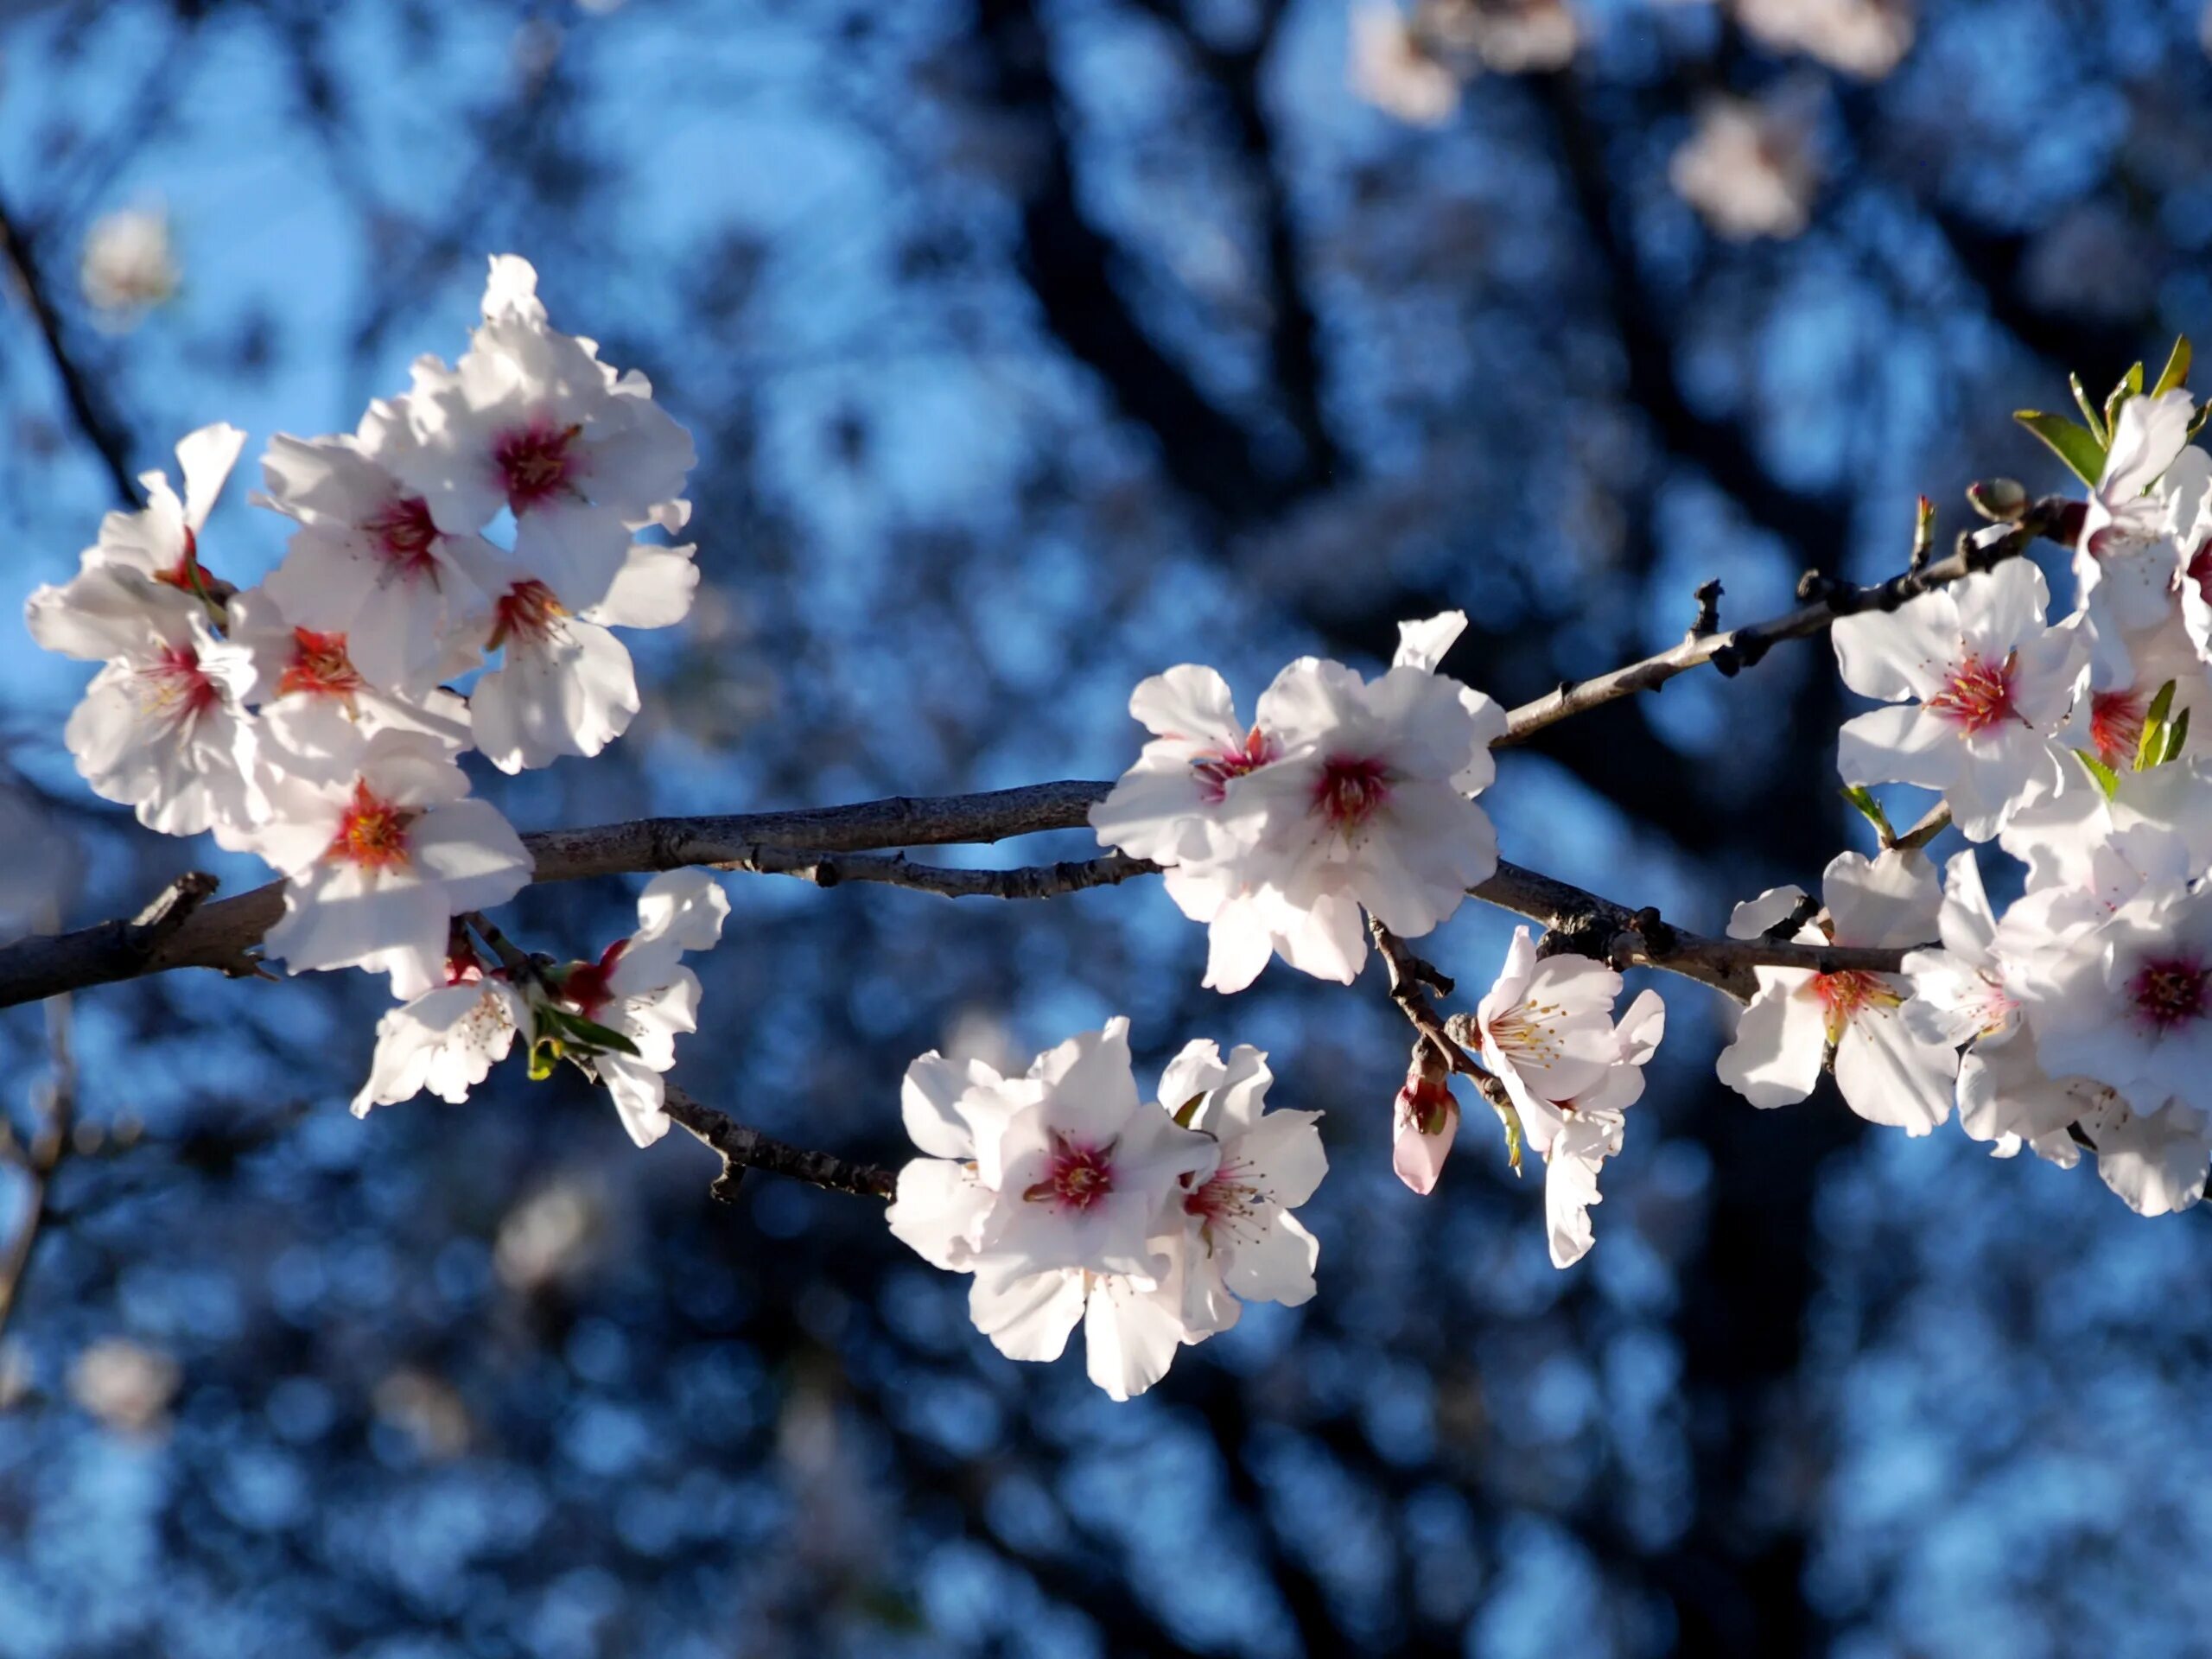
<point x="38" y="1160"/>
<point x="743" y="1148"/>
<point x="1030" y="881"/>
<point x="99" y="428"/>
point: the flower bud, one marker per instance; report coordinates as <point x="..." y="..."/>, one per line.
<point x="2002" y="499"/>
<point x="1424" y="1120"/>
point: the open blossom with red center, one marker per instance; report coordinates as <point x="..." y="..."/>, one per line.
<point x="2116" y="722"/>
<point x="536" y="461"/>
<point x="1350" y="789"/>
<point x="1978" y="694"/>
<point x="319" y="667"/>
<point x="372" y="833"/>
<point x="1076" y="1177"/>
<point x="1983" y="688"/>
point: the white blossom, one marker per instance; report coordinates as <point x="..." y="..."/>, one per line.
<point x="446" y="1040"/>
<point x="2156" y="1162"/>
<point x="369" y="561"/>
<point x="1548" y="1032"/>
<point x="1346" y="793"/>
<point x="2130" y="557"/>
<point x="382" y="856"/>
<point x="1887" y="1074"/>
<point x="1748" y="168"/>
<point x="127" y="266"/>
<point x="639" y="989"/>
<point x="1866" y="38"/>
<point x="1990" y="687"/>
<point x="531" y="421"/>
<point x="1389" y="69"/>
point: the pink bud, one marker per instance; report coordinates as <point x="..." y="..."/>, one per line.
<point x="1425" y="1121"/>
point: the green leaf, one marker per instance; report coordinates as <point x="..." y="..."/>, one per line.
<point x="2106" y="779"/>
<point x="2132" y="386"/>
<point x="594" y="1035"/>
<point x="2177" y="735"/>
<point x="2084" y="452"/>
<point x="2151" y="747"/>
<point x="2088" y="410"/>
<point x="1870" y="809"/>
<point x="2175" y="375"/>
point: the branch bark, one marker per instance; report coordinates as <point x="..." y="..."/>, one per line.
<point x="99" y="429"/>
<point x="743" y="1148"/>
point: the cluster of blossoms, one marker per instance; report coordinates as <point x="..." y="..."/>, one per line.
<point x="310" y="719"/>
<point x="458" y="563"/>
<point x="2080" y="1016"/>
<point x="1070" y="1199"/>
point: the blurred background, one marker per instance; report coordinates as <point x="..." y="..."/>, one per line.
<point x="1031" y="347"/>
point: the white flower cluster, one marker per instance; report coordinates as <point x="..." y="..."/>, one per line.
<point x="2081" y="1016"/>
<point x="1071" y="1200"/>
<point x="307" y="720"/>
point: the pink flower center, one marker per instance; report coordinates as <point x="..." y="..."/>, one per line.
<point x="404" y="533"/>
<point x="1076" y="1177"/>
<point x="2200" y="570"/>
<point x="1350" y="789"/>
<point x="535" y="462"/>
<point x="1846" y="996"/>
<point x="1225" y="1200"/>
<point x="1427" y="1104"/>
<point x="174" y="684"/>
<point x="2116" y="720"/>
<point x="319" y="666"/>
<point x="1214" y="774"/>
<point x="1977" y="694"/>
<point x="526" y="611"/>
<point x="372" y="832"/>
<point x="2168" y="991"/>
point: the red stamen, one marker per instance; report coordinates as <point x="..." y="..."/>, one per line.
<point x="372" y="833"/>
<point x="2168" y="991"/>
<point x="1350" y="789"/>
<point x="535" y="462"/>
<point x="2116" y="722"/>
<point x="174" y="683"/>
<point x="1850" y="994"/>
<point x="1977" y="694"/>
<point x="527" y="610"/>
<point x="1076" y="1177"/>
<point x="405" y="533"/>
<point x="1214" y="774"/>
<point x="319" y="666"/>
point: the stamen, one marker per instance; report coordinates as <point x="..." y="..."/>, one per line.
<point x="2169" y="992"/>
<point x="1214" y="774"/>
<point x="319" y="666"/>
<point x="1850" y="994"/>
<point x="1076" y="1177"/>
<point x="404" y="533"/>
<point x="1977" y="694"/>
<point x="526" y="611"/>
<point x="537" y="462"/>
<point x="1350" y="789"/>
<point x="174" y="685"/>
<point x="372" y="833"/>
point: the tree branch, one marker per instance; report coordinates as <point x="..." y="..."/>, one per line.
<point x="99" y="428"/>
<point x="743" y="1148"/>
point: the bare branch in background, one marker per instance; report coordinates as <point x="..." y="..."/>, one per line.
<point x="743" y="1148"/>
<point x="99" y="428"/>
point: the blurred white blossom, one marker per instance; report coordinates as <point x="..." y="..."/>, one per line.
<point x="1748" y="168"/>
<point x="125" y="1384"/>
<point x="127" y="266"/>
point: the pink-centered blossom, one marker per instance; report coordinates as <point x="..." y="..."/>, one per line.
<point x="639" y="989"/>
<point x="1887" y="1073"/>
<point x="531" y="422"/>
<point x="382" y="856"/>
<point x="1983" y="689"/>
<point x="447" y="1039"/>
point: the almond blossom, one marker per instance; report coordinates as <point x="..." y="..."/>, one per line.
<point x="2130" y="557"/>
<point x="1989" y="687"/>
<point x="1800" y="1019"/>
<point x="2155" y="1162"/>
<point x="1064" y="1195"/>
<point x="368" y="561"/>
<point x="640" y="990"/>
<point x="163" y="726"/>
<point x="1345" y="793"/>
<point x="382" y="854"/>
<point x="1548" y="1034"/>
<point x="1961" y="995"/>
<point x="446" y="1040"/>
<point x="564" y="684"/>
<point x="532" y="422"/>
